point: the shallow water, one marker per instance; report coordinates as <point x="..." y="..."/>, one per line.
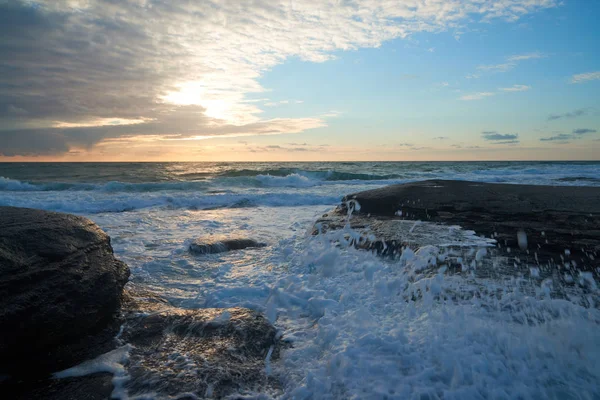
<point x="360" y="326"/>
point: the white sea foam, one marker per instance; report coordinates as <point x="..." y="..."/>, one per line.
<point x="112" y="362"/>
<point x="369" y="328"/>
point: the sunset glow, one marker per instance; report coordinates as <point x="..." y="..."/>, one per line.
<point x="414" y="80"/>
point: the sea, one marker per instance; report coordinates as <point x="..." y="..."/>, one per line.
<point x="355" y="331"/>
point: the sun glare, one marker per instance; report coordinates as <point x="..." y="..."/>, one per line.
<point x="196" y="93"/>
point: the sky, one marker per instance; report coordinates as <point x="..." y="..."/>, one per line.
<point x="299" y="80"/>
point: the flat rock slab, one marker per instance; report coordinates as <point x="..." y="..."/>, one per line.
<point x="462" y="196"/>
<point x="554" y="229"/>
<point x="60" y="288"/>
<point x="220" y="246"/>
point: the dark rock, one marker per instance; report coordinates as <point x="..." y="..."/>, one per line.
<point x="220" y="246"/>
<point x="173" y="353"/>
<point x="426" y="199"/>
<point x="91" y="387"/>
<point x="60" y="287"/>
<point x="207" y="352"/>
<point x="61" y="290"/>
<point x="561" y="224"/>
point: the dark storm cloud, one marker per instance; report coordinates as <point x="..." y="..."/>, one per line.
<point x="500" y="138"/>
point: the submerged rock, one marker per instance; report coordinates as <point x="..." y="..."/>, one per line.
<point x="220" y="246"/>
<point x="60" y="288"/>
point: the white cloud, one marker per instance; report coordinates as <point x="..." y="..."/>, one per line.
<point x="476" y="96"/>
<point x="213" y="53"/>
<point x="511" y="62"/>
<point x="228" y="45"/>
<point x="529" y="56"/>
<point x="497" y="67"/>
<point x="516" y="88"/>
<point x="588" y="76"/>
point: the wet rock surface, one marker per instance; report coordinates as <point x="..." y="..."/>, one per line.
<point x="207" y="352"/>
<point x="169" y="352"/>
<point x="60" y="288"/>
<point x="64" y="308"/>
<point x="539" y="231"/>
<point x="200" y="246"/>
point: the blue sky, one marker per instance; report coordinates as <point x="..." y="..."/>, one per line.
<point x="365" y="80"/>
<point x="409" y="90"/>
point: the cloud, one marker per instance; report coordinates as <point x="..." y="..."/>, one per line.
<point x="573" y="114"/>
<point x="529" y="56"/>
<point x="282" y="102"/>
<point x="483" y="95"/>
<point x="515" y="88"/>
<point x="563" y="138"/>
<point x="583" y="131"/>
<point x="461" y="146"/>
<point x="497" y="67"/>
<point x="476" y="96"/>
<point x="588" y="76"/>
<point x="441" y="138"/>
<point x="500" y="138"/>
<point x="180" y="123"/>
<point x="80" y="61"/>
<point x="511" y="62"/>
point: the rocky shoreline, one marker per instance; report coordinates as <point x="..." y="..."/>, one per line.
<point x="541" y="231"/>
<point x="66" y="304"/>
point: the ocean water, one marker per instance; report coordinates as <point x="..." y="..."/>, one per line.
<point x="360" y="326"/>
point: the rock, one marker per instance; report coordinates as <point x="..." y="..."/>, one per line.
<point x="172" y="353"/>
<point x="427" y="199"/>
<point x="63" y="308"/>
<point x="207" y="352"/>
<point x="220" y="246"/>
<point x="60" y="287"/>
<point x="91" y="387"/>
<point x="552" y="227"/>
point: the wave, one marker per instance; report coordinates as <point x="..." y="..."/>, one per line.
<point x="578" y="178"/>
<point x="87" y="203"/>
<point x="252" y="178"/>
<point x="325" y="175"/>
<point x="12" y="185"/>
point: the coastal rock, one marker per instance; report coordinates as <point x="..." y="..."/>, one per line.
<point x="219" y="246"/>
<point x="60" y="287"/>
<point x="207" y="352"/>
<point x="550" y="230"/>
<point x="170" y="352"/>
